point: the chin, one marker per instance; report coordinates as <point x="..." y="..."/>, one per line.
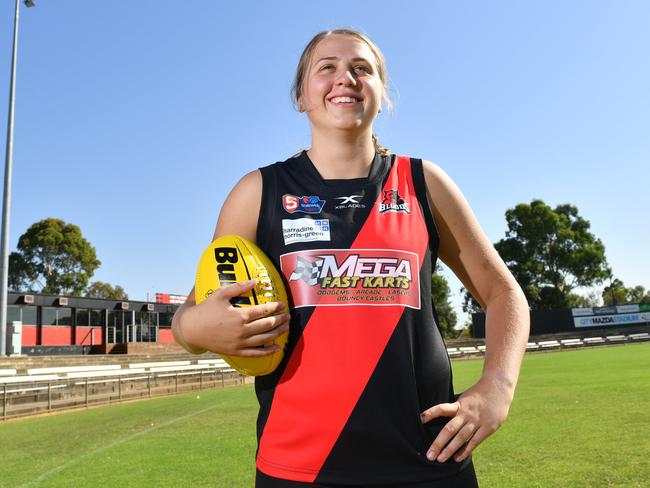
<point x="349" y="123"/>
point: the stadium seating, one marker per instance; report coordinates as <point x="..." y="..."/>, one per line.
<point x="571" y="342"/>
<point x="615" y="338"/>
<point x="157" y="364"/>
<point x="593" y="340"/>
<point x="453" y="351"/>
<point x="35" y="390"/>
<point x="72" y="369"/>
<point x="640" y="337"/>
<point x="30" y="385"/>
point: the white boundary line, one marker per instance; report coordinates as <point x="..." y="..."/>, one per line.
<point x="128" y="438"/>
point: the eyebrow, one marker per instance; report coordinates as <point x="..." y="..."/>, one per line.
<point x="335" y="58"/>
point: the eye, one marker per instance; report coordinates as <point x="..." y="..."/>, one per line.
<point x="326" y="67"/>
<point x="362" y="69"/>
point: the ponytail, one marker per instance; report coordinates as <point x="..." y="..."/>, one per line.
<point x="378" y="147"/>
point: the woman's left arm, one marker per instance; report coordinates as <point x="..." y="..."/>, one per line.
<point x="465" y="248"/>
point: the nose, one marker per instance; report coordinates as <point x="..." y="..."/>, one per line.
<point x="346" y="78"/>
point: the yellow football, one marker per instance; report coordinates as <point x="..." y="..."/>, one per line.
<point x="230" y="259"/>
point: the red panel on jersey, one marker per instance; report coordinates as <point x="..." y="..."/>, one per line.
<point x="321" y="385"/>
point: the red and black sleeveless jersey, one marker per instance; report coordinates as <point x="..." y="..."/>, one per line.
<point x="365" y="356"/>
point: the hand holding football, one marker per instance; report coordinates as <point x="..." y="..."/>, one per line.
<point x="238" y="281"/>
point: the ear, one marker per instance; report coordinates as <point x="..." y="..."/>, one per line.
<point x="301" y="107"/>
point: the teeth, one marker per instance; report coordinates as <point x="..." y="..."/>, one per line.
<point x="344" y="100"/>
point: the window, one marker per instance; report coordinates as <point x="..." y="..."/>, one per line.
<point x="48" y="316"/>
<point x="64" y="316"/>
<point x="13" y="313"/>
<point x="146" y="318"/>
<point x="25" y="313"/>
<point x="83" y="317"/>
<point x="29" y="315"/>
<point x="56" y="316"/>
<point x="97" y="318"/>
<point x="165" y="319"/>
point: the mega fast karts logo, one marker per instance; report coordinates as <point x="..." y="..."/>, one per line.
<point x="306" y="204"/>
<point x="392" y="202"/>
<point x="352" y="277"/>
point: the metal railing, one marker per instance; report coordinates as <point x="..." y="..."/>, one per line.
<point x="41" y="394"/>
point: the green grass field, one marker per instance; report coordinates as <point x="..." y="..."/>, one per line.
<point x="580" y="418"/>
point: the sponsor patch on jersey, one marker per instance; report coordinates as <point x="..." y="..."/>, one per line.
<point x="335" y="277"/>
<point x="305" y="230"/>
<point x="349" y="201"/>
<point x="392" y="202"/>
<point x="305" y="204"/>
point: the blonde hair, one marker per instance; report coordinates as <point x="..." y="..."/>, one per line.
<point x="305" y="58"/>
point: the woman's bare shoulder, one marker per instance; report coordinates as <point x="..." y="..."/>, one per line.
<point x="240" y="210"/>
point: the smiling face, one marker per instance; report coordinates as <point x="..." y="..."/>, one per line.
<point x="341" y="87"/>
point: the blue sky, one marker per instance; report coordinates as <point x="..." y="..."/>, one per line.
<point x="134" y="119"/>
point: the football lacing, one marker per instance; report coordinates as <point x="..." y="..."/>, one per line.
<point x="263" y="277"/>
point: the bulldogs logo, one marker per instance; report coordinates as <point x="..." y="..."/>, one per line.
<point x="392" y="202"/>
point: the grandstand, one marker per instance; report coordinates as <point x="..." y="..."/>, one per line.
<point x="37" y="385"/>
<point x="81" y="352"/>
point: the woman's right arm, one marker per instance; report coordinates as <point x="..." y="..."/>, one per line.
<point x="214" y="324"/>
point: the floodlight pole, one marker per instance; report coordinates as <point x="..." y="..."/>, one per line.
<point x="4" y="250"/>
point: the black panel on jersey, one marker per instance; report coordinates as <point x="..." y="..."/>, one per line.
<point x="421" y="188"/>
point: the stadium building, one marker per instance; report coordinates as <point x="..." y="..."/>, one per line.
<point x="60" y="325"/>
<point x="51" y="324"/>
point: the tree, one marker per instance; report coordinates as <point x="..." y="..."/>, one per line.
<point x="551" y="252"/>
<point x="617" y="294"/>
<point x="638" y="294"/>
<point x="470" y="304"/>
<point x="440" y="295"/>
<point x="52" y="257"/>
<point x="99" y="289"/>
<point x="591" y="299"/>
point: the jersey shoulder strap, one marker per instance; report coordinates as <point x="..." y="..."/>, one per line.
<point x="417" y="172"/>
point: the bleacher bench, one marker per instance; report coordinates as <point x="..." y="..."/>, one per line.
<point x="468" y="350"/>
<point x="635" y="337"/>
<point x="99" y="374"/>
<point x="29" y="379"/>
<point x="615" y="338"/>
<point x="159" y="364"/>
<point x="593" y="340"/>
<point x="72" y="369"/>
<point x="571" y="342"/>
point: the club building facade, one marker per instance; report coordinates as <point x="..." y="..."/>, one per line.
<point x="52" y="324"/>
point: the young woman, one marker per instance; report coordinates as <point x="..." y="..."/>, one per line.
<point x="364" y="394"/>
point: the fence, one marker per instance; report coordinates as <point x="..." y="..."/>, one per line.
<point x="22" y="396"/>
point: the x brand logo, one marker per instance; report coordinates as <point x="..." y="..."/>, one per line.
<point x="350" y="199"/>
